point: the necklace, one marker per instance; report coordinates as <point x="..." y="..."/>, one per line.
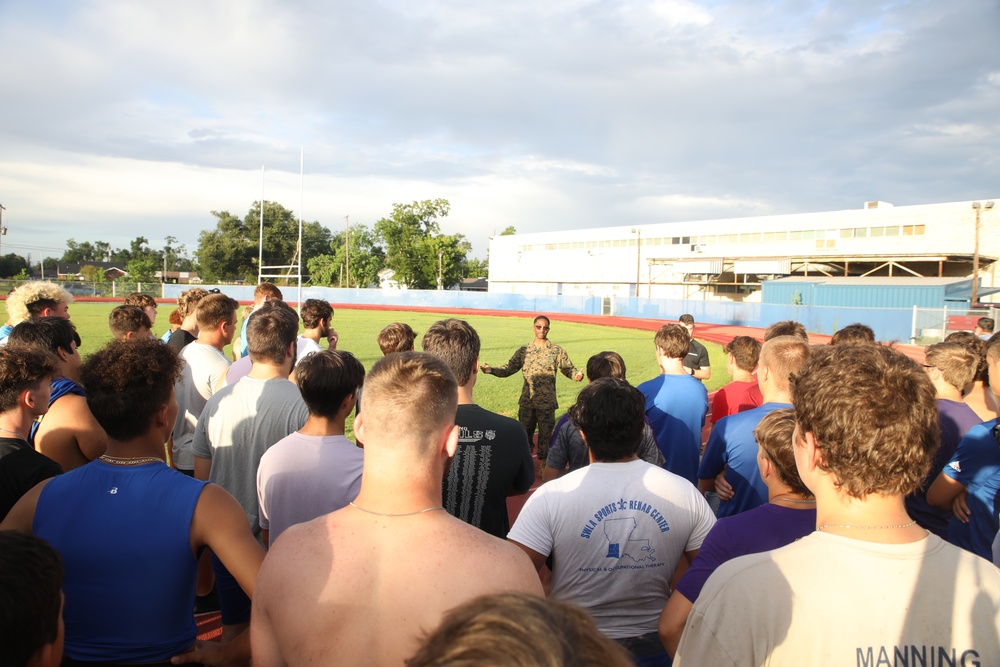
<point x="429" y="509"/>
<point x="844" y="525"/>
<point x="7" y="430"/>
<point x="794" y="500"/>
<point x="135" y="461"/>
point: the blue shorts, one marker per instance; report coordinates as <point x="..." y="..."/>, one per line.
<point x="233" y="601"/>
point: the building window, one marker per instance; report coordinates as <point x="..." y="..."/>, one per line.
<point x="892" y="231"/>
<point x="878" y="231"/>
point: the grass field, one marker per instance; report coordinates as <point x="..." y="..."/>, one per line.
<point x="500" y="337"/>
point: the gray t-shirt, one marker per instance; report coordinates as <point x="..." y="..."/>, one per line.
<point x="203" y="374"/>
<point x="238" y="425"/>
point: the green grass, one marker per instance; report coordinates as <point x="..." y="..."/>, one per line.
<point x="500" y="337"/>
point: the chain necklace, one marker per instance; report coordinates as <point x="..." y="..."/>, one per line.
<point x="844" y="525"/>
<point x="7" y="430"/>
<point x="793" y="500"/>
<point x="137" y="461"/>
<point x="429" y="509"/>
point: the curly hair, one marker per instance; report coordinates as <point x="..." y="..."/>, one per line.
<point x="314" y="311"/>
<point x="31" y="298"/>
<point x="673" y="340"/>
<point x="873" y="415"/>
<point x="187" y="302"/>
<point x="21" y="368"/>
<point x="127" y="382"/>
<point x="140" y="299"/>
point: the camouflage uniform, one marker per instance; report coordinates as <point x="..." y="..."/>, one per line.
<point x="537" y="405"/>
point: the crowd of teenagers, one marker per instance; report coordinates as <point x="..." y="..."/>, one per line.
<point x="843" y="509"/>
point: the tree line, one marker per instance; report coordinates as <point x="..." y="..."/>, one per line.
<point x="408" y="241"/>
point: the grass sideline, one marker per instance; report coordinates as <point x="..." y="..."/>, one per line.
<point x="500" y="337"/>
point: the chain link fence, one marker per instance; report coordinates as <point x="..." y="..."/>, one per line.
<point x="932" y="325"/>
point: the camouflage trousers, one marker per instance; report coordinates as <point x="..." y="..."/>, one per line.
<point x="545" y="420"/>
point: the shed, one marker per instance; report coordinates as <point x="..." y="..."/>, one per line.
<point x="871" y="292"/>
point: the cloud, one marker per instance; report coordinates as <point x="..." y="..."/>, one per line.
<point x="123" y="118"/>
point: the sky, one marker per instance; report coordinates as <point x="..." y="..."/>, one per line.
<point x="121" y="119"/>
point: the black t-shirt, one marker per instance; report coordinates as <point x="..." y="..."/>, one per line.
<point x="180" y="338"/>
<point x="697" y="357"/>
<point x="21" y="468"/>
<point x="492" y="461"/>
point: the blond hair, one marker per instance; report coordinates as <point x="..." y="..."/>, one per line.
<point x="21" y="300"/>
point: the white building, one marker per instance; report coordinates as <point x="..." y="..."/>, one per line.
<point x="728" y="259"/>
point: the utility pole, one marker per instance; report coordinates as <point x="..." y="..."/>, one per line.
<point x="3" y="230"/>
<point x="347" y="247"/>
<point x="440" y="272"/>
<point x="976" y="206"/>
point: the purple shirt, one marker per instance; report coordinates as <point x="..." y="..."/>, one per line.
<point x="760" y="529"/>
<point x="956" y="420"/>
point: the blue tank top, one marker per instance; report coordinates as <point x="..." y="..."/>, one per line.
<point x="124" y="534"/>
<point x="60" y="387"/>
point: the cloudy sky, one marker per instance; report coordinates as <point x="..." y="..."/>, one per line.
<point x="121" y="118"/>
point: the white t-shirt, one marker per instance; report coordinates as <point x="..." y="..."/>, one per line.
<point x="304" y="347"/>
<point x="831" y="600"/>
<point x="203" y="374"/>
<point x="616" y="532"/>
<point x="306" y="476"/>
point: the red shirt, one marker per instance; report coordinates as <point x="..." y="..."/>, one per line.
<point x="729" y="399"/>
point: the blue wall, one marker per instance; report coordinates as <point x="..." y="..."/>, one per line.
<point x="889" y="324"/>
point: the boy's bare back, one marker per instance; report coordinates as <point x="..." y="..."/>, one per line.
<point x="360" y="589"/>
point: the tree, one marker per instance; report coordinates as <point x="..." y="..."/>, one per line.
<point x="413" y="244"/>
<point x="230" y="251"/>
<point x="477" y="268"/>
<point x="11" y="265"/>
<point x="143" y="269"/>
<point x="91" y="273"/>
<point x="367" y="259"/>
<point x="508" y="231"/>
<point x="78" y="253"/>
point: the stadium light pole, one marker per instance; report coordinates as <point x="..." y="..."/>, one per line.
<point x="977" y="207"/>
<point x="638" y="258"/>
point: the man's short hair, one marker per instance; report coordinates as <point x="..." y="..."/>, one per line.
<point x="957" y="362"/>
<point x="187" y="302"/>
<point x="786" y="328"/>
<point x="673" y="340"/>
<point x="986" y="324"/>
<point x="47" y="333"/>
<point x="31" y="298"/>
<point x="396" y="337"/>
<point x="31" y="575"/>
<point x="268" y="291"/>
<point x="606" y="365"/>
<point x="326" y="378"/>
<point x="853" y="334"/>
<point x="686" y="318"/>
<point x="873" y="415"/>
<point x="271" y="330"/>
<point x="611" y="415"/>
<point x="456" y="343"/>
<point x="774" y="435"/>
<point x="745" y="351"/>
<point x="784" y="356"/>
<point x="518" y="630"/>
<point x="21" y="368"/>
<point x="140" y="299"/>
<point x="314" y="311"/>
<point x="215" y="309"/>
<point x="993" y="347"/>
<point x="410" y="394"/>
<point x="127" y="319"/>
<point x="978" y="346"/>
<point x="542" y="317"/>
<point x="127" y="382"/>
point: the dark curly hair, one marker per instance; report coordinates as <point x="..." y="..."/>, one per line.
<point x="127" y="382"/>
<point x="611" y="415"/>
<point x="21" y="368"/>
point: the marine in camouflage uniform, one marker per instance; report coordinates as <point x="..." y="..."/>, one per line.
<point x="539" y="360"/>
